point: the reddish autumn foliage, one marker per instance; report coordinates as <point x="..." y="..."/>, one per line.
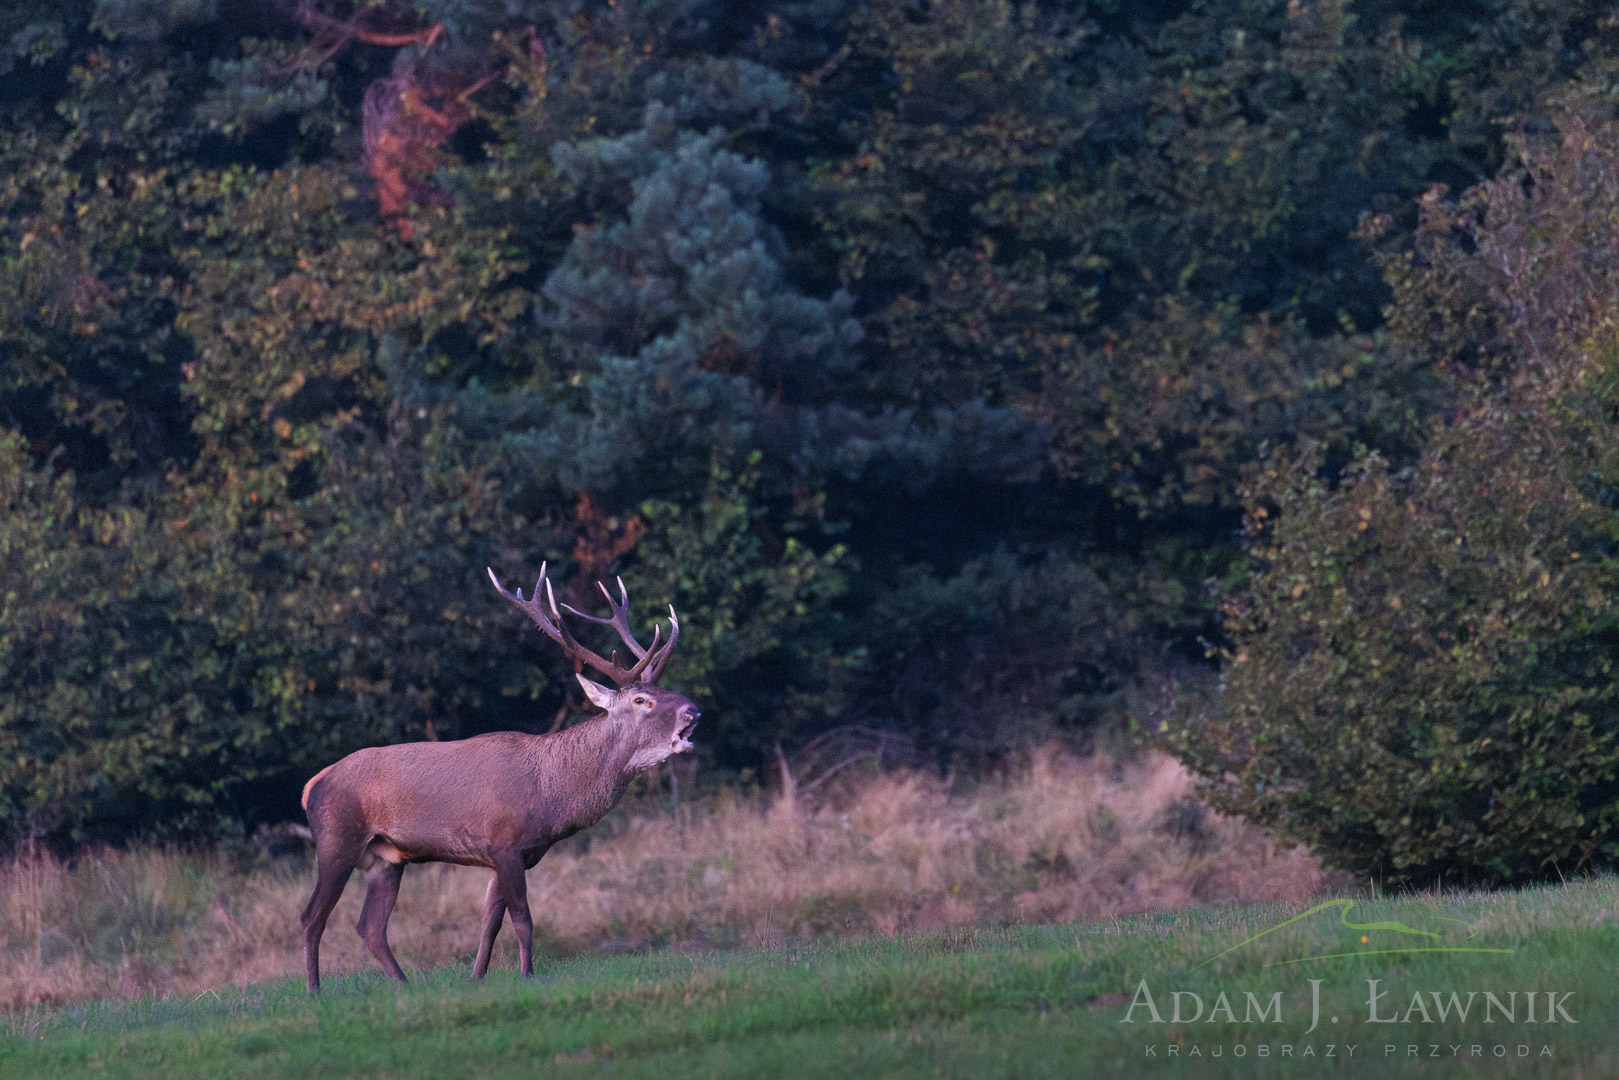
<point x="402" y="129"/>
<point x="408" y="115"/>
<point x="601" y="540"/>
<point x="406" y="118"/>
<point x="371" y="26"/>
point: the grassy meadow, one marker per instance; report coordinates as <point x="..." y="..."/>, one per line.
<point x="1030" y="1001"/>
<point x="901" y="925"/>
<point x="1056" y="839"/>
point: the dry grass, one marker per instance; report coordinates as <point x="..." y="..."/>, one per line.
<point x="1059" y="839"/>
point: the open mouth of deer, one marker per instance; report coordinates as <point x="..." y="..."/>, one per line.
<point x="682" y="740"/>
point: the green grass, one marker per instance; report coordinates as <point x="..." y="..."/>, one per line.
<point x="1028" y="1001"/>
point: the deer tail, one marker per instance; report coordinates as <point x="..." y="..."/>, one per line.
<point x="313" y="780"/>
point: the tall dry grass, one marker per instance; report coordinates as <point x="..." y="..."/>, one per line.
<point x="1058" y="839"/>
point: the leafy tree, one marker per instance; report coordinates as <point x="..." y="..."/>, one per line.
<point x="112" y="694"/>
<point x="1420" y="680"/>
<point x="895" y="343"/>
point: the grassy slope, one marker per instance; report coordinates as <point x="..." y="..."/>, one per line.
<point x="1043" y="1001"/>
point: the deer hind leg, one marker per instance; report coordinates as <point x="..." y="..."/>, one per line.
<point x="494" y="910"/>
<point x="334" y="861"/>
<point x="381" y="890"/>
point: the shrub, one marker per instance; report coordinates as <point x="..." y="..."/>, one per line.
<point x="1419" y="680"/>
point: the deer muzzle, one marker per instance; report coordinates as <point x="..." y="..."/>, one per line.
<point x="681" y="742"/>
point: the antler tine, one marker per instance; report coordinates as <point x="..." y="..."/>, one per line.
<point x="530" y="606"/>
<point x="654" y="657"/>
<point x="558" y="631"/>
<point x="668" y="649"/>
<point x="619" y="620"/>
<point x="611" y="667"/>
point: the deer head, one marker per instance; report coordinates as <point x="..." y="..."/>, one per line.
<point x="661" y="721"/>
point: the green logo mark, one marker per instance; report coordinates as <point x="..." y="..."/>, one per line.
<point x="1343" y="907"/>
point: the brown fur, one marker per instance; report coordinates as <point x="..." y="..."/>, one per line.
<point x="499" y="801"/>
<point x="305" y="801"/>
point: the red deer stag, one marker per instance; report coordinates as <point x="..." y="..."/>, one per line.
<point x="498" y="800"/>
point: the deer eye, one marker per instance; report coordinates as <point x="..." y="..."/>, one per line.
<point x="640" y="701"/>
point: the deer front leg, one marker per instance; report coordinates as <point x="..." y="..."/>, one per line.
<point x="512" y="885"/>
<point x="494" y="910"/>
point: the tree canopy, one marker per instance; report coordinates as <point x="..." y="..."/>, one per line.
<point x="924" y="355"/>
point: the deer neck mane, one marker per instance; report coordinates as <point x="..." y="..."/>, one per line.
<point x="586" y="767"/>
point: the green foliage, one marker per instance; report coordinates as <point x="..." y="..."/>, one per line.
<point x="268" y="82"/>
<point x="1420" y="681"/>
<point x="894" y="343"/>
<point x="1420" y="677"/>
<point x="36" y="32"/>
<point x="88" y="698"/>
<point x="712" y="558"/>
<point x="677" y="315"/>
<point x="149" y="20"/>
<point x="1143" y="240"/>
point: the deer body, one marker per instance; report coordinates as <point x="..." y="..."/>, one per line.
<point x="523" y="790"/>
<point x="497" y="801"/>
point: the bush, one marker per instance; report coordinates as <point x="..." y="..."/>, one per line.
<point x="1419" y="680"/>
<point x="1419" y="683"/>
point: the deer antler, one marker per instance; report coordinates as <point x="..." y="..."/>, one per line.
<point x="620" y="621"/>
<point x="649" y="663"/>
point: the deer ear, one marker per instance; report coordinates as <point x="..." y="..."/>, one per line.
<point x="598" y="694"/>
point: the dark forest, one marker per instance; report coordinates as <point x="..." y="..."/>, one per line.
<point x="1238" y="376"/>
